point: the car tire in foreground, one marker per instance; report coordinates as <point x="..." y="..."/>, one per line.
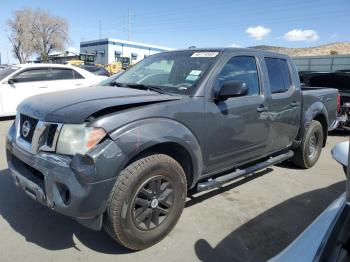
<point x="146" y="202"/>
<point x="307" y="154"/>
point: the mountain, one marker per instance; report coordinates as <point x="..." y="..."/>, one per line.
<point x="328" y="49"/>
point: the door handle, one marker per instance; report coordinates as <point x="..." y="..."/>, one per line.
<point x="42" y="86"/>
<point x="294" y="104"/>
<point x="262" y="108"/>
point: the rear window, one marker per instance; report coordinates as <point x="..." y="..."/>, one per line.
<point x="279" y="74"/>
<point x="96" y="70"/>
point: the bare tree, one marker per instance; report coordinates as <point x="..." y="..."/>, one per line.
<point x="50" y="33"/>
<point x="20" y="36"/>
<point x="36" y="31"/>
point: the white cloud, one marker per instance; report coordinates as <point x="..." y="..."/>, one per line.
<point x="258" y="32"/>
<point x="301" y="35"/>
<point x="235" y="45"/>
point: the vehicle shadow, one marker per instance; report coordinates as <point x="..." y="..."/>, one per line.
<point x="197" y="198"/>
<point x="270" y="232"/>
<point x="339" y="132"/>
<point x="45" y="228"/>
<point x="7" y="118"/>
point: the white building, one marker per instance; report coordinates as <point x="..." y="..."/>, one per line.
<point x="108" y="50"/>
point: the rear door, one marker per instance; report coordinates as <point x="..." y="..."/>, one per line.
<point x="285" y="103"/>
<point x="64" y="79"/>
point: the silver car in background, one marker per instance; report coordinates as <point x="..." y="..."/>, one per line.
<point x="328" y="237"/>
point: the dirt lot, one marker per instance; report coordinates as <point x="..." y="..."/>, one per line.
<point x="249" y="220"/>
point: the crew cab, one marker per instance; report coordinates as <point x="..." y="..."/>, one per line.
<point x="124" y="156"/>
<point x="21" y="81"/>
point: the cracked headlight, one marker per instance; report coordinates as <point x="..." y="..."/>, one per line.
<point x="74" y="139"/>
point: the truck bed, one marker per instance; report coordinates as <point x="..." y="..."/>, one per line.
<point x="327" y="96"/>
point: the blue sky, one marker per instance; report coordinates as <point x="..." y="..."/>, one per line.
<point x="181" y="23"/>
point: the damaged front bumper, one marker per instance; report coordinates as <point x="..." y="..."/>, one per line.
<point x="77" y="186"/>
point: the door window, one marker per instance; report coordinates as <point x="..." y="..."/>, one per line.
<point x="63" y="74"/>
<point x="77" y="75"/>
<point x="279" y="74"/>
<point x="31" y="75"/>
<point x="241" y="69"/>
<point x="60" y="74"/>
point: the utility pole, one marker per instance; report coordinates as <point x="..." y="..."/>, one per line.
<point x="100" y="43"/>
<point x="100" y="29"/>
<point x="129" y="24"/>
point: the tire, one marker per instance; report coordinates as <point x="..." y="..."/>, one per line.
<point x="133" y="197"/>
<point x="304" y="156"/>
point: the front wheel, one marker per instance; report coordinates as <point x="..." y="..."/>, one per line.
<point x="146" y="202"/>
<point x="309" y="151"/>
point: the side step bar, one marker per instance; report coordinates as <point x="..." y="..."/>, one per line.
<point x="219" y="181"/>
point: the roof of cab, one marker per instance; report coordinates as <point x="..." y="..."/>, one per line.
<point x="43" y="65"/>
<point x="232" y="50"/>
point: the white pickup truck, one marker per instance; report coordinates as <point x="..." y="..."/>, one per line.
<point x="21" y="81"/>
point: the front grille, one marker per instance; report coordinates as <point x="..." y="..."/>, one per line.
<point x="35" y="135"/>
<point x="27" y="127"/>
<point x="51" y="134"/>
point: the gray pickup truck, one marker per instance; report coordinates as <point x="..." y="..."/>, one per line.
<point x="124" y="155"/>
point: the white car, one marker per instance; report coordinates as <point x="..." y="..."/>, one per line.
<point x="19" y="82"/>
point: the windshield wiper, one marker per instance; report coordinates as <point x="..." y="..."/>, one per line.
<point x="140" y="86"/>
<point x="114" y="83"/>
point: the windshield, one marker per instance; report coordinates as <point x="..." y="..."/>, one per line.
<point x="7" y="71"/>
<point x="173" y="72"/>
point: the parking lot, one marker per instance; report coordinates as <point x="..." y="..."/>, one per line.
<point x="251" y="219"/>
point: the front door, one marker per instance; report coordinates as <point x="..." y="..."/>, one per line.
<point x="236" y="128"/>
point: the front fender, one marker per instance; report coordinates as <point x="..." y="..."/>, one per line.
<point x="140" y="135"/>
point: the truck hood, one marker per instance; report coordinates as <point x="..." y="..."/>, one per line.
<point x="75" y="106"/>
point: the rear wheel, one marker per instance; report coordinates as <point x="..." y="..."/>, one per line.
<point x="310" y="149"/>
<point x="146" y="202"/>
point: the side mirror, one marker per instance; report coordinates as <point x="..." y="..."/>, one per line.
<point x="232" y="89"/>
<point x="340" y="153"/>
<point x="10" y="81"/>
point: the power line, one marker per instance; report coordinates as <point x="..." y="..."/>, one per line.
<point x="201" y="27"/>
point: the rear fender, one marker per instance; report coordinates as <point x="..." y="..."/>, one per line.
<point x="314" y="110"/>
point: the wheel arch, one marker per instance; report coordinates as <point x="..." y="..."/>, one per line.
<point x="161" y="136"/>
<point x="316" y="111"/>
<point x="175" y="151"/>
<point x="323" y="120"/>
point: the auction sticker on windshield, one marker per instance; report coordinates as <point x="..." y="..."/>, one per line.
<point x="193" y="75"/>
<point x="205" y="54"/>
